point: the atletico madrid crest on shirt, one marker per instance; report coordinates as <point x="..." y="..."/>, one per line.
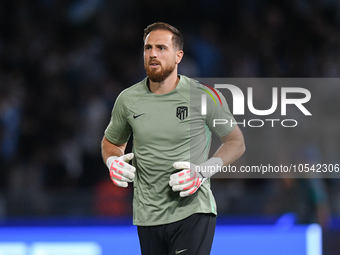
<point x="182" y="112"/>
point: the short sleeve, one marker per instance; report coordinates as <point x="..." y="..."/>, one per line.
<point x="219" y="118"/>
<point x="119" y="130"/>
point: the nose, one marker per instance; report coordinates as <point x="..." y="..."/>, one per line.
<point x="153" y="53"/>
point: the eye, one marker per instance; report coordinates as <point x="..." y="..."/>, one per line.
<point x="161" y="47"/>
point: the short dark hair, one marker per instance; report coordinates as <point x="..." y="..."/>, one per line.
<point x="177" y="37"/>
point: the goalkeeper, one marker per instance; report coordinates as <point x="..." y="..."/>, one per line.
<point x="173" y="206"/>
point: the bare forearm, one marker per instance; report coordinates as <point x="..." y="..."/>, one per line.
<point x="232" y="148"/>
<point x="109" y="149"/>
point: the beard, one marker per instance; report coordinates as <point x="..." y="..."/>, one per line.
<point x="159" y="76"/>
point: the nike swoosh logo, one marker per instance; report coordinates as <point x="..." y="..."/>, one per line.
<point x="136" y="116"/>
<point x="178" y="252"/>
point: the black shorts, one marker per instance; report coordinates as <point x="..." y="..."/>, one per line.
<point x="191" y="236"/>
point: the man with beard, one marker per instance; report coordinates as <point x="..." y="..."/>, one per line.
<point x="171" y="143"/>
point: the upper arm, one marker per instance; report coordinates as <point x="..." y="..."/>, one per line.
<point x="219" y="118"/>
<point x="119" y="130"/>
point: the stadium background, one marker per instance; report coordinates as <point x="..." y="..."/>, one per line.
<point x="62" y="64"/>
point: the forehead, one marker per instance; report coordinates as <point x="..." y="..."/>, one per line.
<point x="163" y="37"/>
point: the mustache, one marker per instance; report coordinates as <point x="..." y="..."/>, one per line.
<point x="152" y="61"/>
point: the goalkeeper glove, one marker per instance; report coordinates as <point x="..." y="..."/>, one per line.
<point x="120" y="171"/>
<point x="193" y="176"/>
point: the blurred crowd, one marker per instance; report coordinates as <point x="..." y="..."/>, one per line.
<point x="63" y="63"/>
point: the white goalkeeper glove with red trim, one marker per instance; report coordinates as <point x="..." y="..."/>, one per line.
<point x="120" y="171"/>
<point x="193" y="176"/>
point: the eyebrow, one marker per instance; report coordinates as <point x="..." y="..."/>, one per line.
<point x="157" y="45"/>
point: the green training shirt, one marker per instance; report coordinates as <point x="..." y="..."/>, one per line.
<point x="167" y="128"/>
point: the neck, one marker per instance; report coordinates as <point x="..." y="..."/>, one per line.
<point x="165" y="86"/>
